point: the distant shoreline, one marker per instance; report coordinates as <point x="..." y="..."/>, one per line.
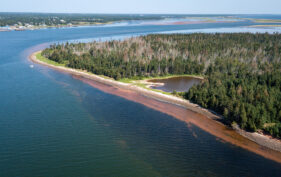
<point x="36" y="27"/>
<point x="52" y="27"/>
<point x="179" y="108"/>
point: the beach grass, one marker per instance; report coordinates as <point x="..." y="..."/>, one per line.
<point x="130" y="80"/>
<point x="155" y="90"/>
<point x="46" y="60"/>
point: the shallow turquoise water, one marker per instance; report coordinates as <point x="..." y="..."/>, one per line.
<point x="54" y="125"/>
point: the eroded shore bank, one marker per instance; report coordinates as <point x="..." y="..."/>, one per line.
<point x="181" y="109"/>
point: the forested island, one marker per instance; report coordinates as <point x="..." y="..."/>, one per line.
<point x="242" y="71"/>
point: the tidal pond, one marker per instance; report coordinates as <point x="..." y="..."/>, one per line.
<point x="179" y="84"/>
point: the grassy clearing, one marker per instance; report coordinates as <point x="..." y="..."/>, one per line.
<point x="46" y="60"/>
<point x="174" y="75"/>
<point x="155" y="90"/>
<point x="130" y="80"/>
<point x="126" y="80"/>
<point x="269" y="125"/>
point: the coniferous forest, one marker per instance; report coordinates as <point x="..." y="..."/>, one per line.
<point x="242" y="71"/>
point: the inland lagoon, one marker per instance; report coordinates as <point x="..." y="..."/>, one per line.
<point x="178" y="84"/>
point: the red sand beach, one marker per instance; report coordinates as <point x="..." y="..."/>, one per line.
<point x="186" y="112"/>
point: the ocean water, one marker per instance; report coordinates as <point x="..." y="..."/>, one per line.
<point x="52" y="124"/>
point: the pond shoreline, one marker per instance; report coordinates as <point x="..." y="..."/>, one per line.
<point x="180" y="109"/>
<point x="177" y="83"/>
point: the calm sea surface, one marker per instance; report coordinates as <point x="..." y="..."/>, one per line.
<point x="54" y="125"/>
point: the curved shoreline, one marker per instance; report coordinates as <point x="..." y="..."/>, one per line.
<point x="180" y="109"/>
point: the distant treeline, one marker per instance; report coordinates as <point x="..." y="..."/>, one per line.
<point x="51" y="19"/>
<point x="242" y="71"/>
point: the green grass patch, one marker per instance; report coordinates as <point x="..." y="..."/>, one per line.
<point x="171" y="76"/>
<point x="137" y="78"/>
<point x="126" y="80"/>
<point x="155" y="90"/>
<point x="46" y="60"/>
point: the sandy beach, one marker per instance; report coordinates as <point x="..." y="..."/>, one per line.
<point x="180" y="109"/>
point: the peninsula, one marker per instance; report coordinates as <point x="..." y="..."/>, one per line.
<point x="235" y="69"/>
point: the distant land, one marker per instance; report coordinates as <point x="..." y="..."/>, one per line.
<point x="23" y="21"/>
<point x="31" y="21"/>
